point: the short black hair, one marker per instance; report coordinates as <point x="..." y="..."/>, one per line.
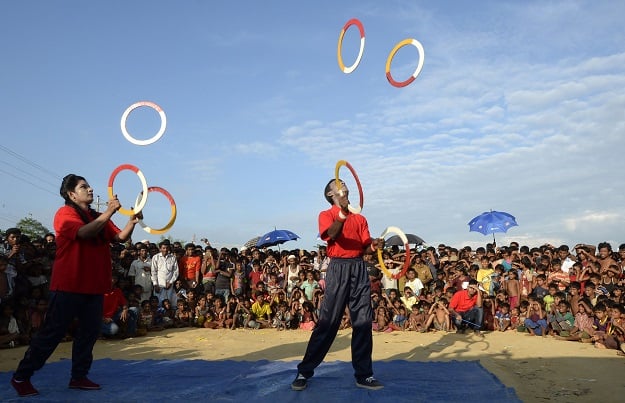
<point x="327" y="189"/>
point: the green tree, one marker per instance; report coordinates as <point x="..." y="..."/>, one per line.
<point x="32" y="228"/>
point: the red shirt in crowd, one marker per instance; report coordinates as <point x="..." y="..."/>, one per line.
<point x="462" y="302"/>
<point x="113" y="300"/>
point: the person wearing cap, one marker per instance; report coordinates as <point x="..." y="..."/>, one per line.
<point x="347" y="284"/>
<point x="290" y="270"/>
<point x="465" y="308"/>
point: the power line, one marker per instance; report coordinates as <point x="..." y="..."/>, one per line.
<point x="29" y="182"/>
<point x="29" y="162"/>
<point x="29" y="174"/>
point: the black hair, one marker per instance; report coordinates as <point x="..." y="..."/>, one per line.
<point x="327" y="189"/>
<point x="68" y="184"/>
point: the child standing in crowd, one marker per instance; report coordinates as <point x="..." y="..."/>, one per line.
<point x="512" y="287"/>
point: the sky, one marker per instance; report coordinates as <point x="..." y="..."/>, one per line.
<point x="520" y="107"/>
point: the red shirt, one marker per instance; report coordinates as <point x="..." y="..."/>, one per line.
<point x="190" y="266"/>
<point x="112" y="301"/>
<point x="255" y="277"/>
<point x="461" y="302"/>
<point x="351" y="241"/>
<point x="81" y="265"/>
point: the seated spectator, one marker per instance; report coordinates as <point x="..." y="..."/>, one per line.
<point x="9" y="331"/>
<point x="116" y="314"/>
<point x="536" y="322"/>
<point x="465" y="308"/>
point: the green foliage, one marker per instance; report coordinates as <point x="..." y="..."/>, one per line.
<point x="31" y="227"/>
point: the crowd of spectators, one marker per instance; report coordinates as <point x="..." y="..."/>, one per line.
<point x="571" y="294"/>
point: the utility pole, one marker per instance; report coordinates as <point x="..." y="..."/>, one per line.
<point x="98" y="204"/>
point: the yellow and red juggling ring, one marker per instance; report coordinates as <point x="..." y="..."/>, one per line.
<point x="339" y="57"/>
<point x="151" y="140"/>
<point x="387" y="273"/>
<point x="172" y="219"/>
<point x="339" y="164"/>
<point x="401" y="44"/>
<point x="144" y="198"/>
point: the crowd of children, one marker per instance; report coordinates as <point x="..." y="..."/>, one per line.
<point x="572" y="295"/>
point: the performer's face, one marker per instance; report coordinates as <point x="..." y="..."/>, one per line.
<point x="338" y="195"/>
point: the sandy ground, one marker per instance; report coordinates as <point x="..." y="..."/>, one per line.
<point x="539" y="369"/>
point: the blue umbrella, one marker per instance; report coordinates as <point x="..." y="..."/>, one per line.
<point x="492" y="221"/>
<point x="276" y="237"/>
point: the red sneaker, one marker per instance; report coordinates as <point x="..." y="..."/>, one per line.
<point x="23" y="388"/>
<point x="84" y="384"/>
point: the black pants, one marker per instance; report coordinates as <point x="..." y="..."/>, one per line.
<point x="62" y="309"/>
<point x="347" y="283"/>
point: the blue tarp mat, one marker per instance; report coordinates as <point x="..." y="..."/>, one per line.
<point x="264" y="381"/>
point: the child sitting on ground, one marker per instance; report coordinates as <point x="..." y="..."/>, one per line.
<point x="502" y="317"/>
<point x="281" y="317"/>
<point x="183" y="315"/>
<point x="515" y="314"/>
<point x="562" y="320"/>
<point x="417" y="318"/>
<point x="400" y="318"/>
<point x="381" y="321"/>
<point x="489" y="308"/>
<point x="309" y="317"/>
<point x="438" y="317"/>
<point x="536" y="322"/>
<point x="523" y="312"/>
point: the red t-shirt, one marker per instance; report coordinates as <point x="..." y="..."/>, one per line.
<point x="461" y="302"/>
<point x="81" y="265"/>
<point x="255" y="277"/>
<point x="112" y="301"/>
<point x="190" y="265"/>
<point x="352" y="240"/>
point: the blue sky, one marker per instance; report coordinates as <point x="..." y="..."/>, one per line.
<point x="520" y="107"/>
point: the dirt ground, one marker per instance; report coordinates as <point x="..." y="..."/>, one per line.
<point x="539" y="369"/>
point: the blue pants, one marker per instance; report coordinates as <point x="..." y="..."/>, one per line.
<point x="347" y="283"/>
<point x="537" y="326"/>
<point x="471" y="318"/>
<point x="63" y="307"/>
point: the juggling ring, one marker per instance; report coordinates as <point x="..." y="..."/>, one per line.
<point x="157" y="136"/>
<point x="403" y="237"/>
<point x="401" y="44"/>
<point x="361" y="29"/>
<point x="355" y="210"/>
<point x="172" y="219"/>
<point x="144" y="198"/>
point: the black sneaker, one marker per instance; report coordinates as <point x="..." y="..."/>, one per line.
<point x="369" y="383"/>
<point x="299" y="383"/>
<point x="460" y="330"/>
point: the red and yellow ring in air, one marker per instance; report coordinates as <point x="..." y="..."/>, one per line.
<point x="144" y="198"/>
<point x="339" y="57"/>
<point x="403" y="237"/>
<point x="172" y="219"/>
<point x="401" y="44"/>
<point x="339" y="164"/>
